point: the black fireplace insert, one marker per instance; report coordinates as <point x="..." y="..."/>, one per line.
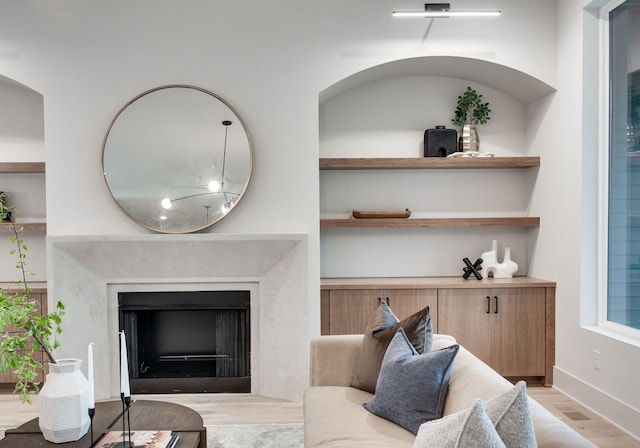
<point x="187" y="341"/>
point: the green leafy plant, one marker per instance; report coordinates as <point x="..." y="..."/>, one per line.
<point x="471" y="109"/>
<point x="25" y="330"/>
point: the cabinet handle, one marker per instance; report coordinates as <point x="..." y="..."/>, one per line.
<point x="496" y="299"/>
<point x="488" y="304"/>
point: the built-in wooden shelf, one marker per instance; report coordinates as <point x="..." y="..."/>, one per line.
<point x="26" y="226"/>
<point x="21" y="167"/>
<point x="328" y="223"/>
<point x="428" y="163"/>
<point x="431" y="282"/>
<point x="13" y="287"/>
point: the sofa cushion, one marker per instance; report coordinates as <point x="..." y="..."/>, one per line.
<point x="335" y="418"/>
<point x="382" y="326"/>
<point x="469" y="428"/>
<point x="412" y="387"/>
<point x="511" y="416"/>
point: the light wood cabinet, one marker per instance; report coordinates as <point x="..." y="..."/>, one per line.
<point x="508" y="323"/>
<point x="38" y="293"/>
<point x="347" y="311"/>
<point x="503" y="327"/>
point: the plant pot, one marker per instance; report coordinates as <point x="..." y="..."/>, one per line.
<point x="64" y="402"/>
<point x="469" y="138"/>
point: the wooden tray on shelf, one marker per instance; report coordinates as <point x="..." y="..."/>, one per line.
<point x="381" y="214"/>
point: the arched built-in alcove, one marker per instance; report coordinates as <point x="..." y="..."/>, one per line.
<point x="22" y="173"/>
<point x="383" y="112"/>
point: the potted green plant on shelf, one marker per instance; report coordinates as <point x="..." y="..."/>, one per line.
<point x="25" y="330"/>
<point x="470" y="111"/>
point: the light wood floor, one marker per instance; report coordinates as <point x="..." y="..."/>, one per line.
<point x="226" y="409"/>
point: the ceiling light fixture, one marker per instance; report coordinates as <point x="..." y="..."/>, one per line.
<point x="442" y="10"/>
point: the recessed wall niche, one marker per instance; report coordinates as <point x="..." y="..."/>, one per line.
<point x="22" y="174"/>
<point x="382" y="112"/>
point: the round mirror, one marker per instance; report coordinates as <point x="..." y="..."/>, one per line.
<point x="177" y="159"/>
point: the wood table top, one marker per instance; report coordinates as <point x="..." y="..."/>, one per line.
<point x="143" y="415"/>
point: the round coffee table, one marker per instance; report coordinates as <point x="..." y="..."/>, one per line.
<point x="143" y="415"/>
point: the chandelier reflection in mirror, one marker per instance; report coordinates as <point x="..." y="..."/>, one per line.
<point x="177" y="159"/>
<point x="214" y="186"/>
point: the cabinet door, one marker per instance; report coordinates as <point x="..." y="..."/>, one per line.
<point x="351" y="309"/>
<point x="465" y="314"/>
<point x="347" y="311"/>
<point x="503" y="327"/>
<point x="405" y="302"/>
<point x="518" y="331"/>
<point x="8" y="377"/>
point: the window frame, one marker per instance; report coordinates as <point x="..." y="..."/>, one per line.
<point x="603" y="178"/>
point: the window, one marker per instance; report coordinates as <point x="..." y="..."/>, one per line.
<point x="622" y="51"/>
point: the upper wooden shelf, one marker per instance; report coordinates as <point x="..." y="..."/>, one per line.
<point x="21" y="167"/>
<point x="430" y="222"/>
<point x="26" y="226"/>
<point x="428" y="163"/>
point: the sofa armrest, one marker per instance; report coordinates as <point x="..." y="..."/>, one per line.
<point x="333" y="359"/>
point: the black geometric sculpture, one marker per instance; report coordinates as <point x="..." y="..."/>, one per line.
<point x="472" y="268"/>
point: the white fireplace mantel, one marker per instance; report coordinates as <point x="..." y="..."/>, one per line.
<point x="87" y="272"/>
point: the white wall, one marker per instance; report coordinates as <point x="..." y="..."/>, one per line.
<point x="271" y="60"/>
<point x="566" y="249"/>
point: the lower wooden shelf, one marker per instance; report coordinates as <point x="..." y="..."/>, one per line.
<point x="26" y="226"/>
<point x="327" y="223"/>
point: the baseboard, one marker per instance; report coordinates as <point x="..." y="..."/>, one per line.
<point x="609" y="408"/>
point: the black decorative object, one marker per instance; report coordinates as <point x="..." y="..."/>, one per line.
<point x="472" y="268"/>
<point x="440" y="142"/>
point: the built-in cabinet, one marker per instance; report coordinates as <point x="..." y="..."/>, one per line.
<point x="349" y="310"/>
<point x="508" y="323"/>
<point x="504" y="327"/>
<point x="39" y="294"/>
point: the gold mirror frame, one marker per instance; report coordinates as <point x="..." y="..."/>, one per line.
<point x="165" y="150"/>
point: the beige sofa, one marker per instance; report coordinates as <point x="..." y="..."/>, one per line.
<point x="334" y="415"/>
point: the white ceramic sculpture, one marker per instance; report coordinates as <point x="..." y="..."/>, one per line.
<point x="490" y="264"/>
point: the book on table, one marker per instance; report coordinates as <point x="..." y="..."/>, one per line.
<point x="139" y="439"/>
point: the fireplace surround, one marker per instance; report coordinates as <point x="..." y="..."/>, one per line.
<point x="87" y="272"/>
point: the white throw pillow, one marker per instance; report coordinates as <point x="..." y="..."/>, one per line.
<point x="511" y="417"/>
<point x="470" y="428"/>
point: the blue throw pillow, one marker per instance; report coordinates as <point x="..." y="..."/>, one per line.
<point x="412" y="387"/>
<point x="381" y="328"/>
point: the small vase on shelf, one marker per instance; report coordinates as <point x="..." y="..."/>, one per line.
<point x="469" y="140"/>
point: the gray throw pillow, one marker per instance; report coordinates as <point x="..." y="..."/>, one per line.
<point x="470" y="428"/>
<point x="511" y="416"/>
<point x="412" y="387"/>
<point x="381" y="328"/>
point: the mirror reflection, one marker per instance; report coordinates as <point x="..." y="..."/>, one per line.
<point x="177" y="159"/>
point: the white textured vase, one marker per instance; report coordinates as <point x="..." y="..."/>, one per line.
<point x="64" y="402"/>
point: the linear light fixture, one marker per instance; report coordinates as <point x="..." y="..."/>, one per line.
<point x="442" y="10"/>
